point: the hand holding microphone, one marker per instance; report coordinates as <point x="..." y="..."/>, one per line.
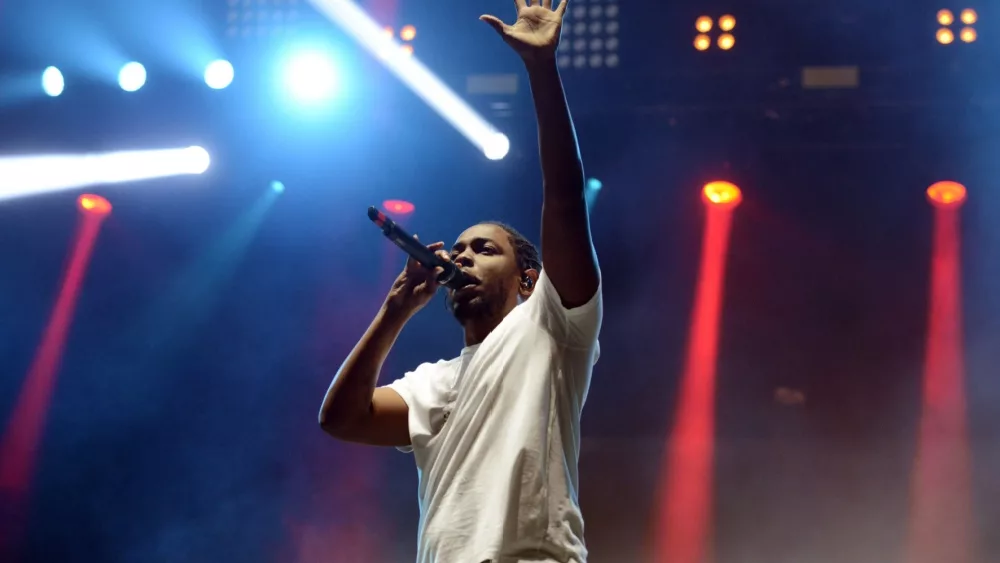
<point x="416" y="285"/>
<point x="427" y="268"/>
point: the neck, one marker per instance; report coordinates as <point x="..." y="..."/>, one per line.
<point x="476" y="330"/>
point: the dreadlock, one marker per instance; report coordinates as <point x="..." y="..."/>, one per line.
<point x="525" y="252"/>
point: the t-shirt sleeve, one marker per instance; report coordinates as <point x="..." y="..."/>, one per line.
<point x="426" y="397"/>
<point x="578" y="327"/>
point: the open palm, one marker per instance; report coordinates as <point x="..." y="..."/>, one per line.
<point x="535" y="33"/>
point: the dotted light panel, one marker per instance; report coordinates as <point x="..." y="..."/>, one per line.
<point x="714" y="34"/>
<point x="262" y="18"/>
<point x="590" y="35"/>
<point x="964" y="23"/>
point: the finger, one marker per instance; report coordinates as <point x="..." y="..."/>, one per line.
<point x="495" y="23"/>
<point x="534" y="2"/>
<point x="561" y="9"/>
<point x="443" y="255"/>
<point x="518" y="4"/>
<point x="436" y="245"/>
<point x="547" y="4"/>
<point x="410" y="262"/>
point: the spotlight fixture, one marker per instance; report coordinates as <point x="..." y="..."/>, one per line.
<point x="249" y="19"/>
<point x="590" y="36"/>
<point x="722" y="194"/>
<point x="946" y="18"/>
<point x="946" y="194"/>
<point x="406" y="36"/>
<point x="704" y="25"/>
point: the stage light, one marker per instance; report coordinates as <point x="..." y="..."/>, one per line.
<point x="969" y="16"/>
<point x="592" y="191"/>
<point x="945" y="36"/>
<point x="93" y="205"/>
<point x="408" y="33"/>
<point x="260" y="19"/>
<point x="945" y="17"/>
<point x="968" y="35"/>
<point x="356" y="23"/>
<point x="946" y="194"/>
<point x="27" y="175"/>
<point x="725" y="41"/>
<point x="132" y="76"/>
<point x="722" y="194"/>
<point x="497" y="147"/>
<point x="407" y="50"/>
<point x="398" y="207"/>
<point x="310" y="76"/>
<point x="387" y="30"/>
<point x="53" y="83"/>
<point x="590" y="36"/>
<point x="219" y="74"/>
<point x="277" y="187"/>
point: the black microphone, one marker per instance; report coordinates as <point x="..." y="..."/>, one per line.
<point x="452" y="276"/>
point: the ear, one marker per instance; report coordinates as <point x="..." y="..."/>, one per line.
<point x="529" y="279"/>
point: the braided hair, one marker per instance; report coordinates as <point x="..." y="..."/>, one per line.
<point x="525" y="252"/>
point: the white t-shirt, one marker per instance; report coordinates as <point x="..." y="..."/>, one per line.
<point x="496" y="437"/>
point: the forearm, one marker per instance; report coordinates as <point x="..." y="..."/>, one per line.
<point x="562" y="168"/>
<point x="349" y="397"/>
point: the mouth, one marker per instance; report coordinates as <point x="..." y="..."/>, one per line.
<point x="473" y="282"/>
<point x="467" y="288"/>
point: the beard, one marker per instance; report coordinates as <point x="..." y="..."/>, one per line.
<point x="482" y="304"/>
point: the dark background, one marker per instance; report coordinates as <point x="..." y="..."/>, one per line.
<point x="183" y="425"/>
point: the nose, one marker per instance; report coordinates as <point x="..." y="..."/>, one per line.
<point x="464" y="260"/>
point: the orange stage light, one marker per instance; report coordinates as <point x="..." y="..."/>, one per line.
<point x="727" y="23"/>
<point x="407" y="49"/>
<point x="94" y="204"/>
<point x="945" y="17"/>
<point x="969" y="16"/>
<point x="726" y="41"/>
<point x="702" y="42"/>
<point x="968" y="35"/>
<point x="945" y="36"/>
<point x="387" y="30"/>
<point x="946" y="194"/>
<point x="703" y="24"/>
<point x="722" y="194"/>
<point x="398" y="206"/>
<point x="408" y="33"/>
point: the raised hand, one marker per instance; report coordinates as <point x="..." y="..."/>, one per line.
<point x="535" y="33"/>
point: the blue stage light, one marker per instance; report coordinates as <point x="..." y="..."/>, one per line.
<point x="132" y="76"/>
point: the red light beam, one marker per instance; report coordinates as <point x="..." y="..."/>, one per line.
<point x="941" y="518"/>
<point x="22" y="438"/>
<point x="684" y="513"/>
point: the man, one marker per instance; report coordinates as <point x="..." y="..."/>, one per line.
<point x="496" y="431"/>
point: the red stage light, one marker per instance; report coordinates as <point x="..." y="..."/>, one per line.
<point x="398" y="207"/>
<point x="722" y="194"/>
<point x="94" y="204"/>
<point x="946" y="194"/>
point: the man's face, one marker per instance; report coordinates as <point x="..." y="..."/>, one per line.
<point x="485" y="253"/>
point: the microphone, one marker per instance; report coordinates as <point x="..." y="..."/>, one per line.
<point x="452" y="276"/>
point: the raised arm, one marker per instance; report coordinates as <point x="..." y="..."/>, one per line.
<point x="567" y="250"/>
<point x="354" y="409"/>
